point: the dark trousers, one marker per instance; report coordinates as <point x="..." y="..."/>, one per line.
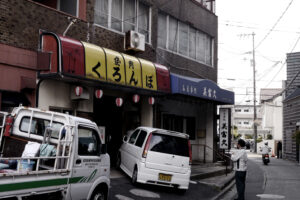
<point x="240" y="181"/>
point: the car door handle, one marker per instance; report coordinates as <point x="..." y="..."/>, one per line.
<point x="78" y="162"/>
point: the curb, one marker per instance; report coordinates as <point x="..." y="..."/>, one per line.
<point x="209" y="174"/>
<point x="225" y="190"/>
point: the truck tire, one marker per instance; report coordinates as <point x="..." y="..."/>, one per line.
<point x="99" y="194"/>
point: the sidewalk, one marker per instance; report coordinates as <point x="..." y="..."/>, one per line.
<point x="212" y="174"/>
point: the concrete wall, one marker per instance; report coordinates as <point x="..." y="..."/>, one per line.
<point x="57" y="94"/>
<point x="146" y="113"/>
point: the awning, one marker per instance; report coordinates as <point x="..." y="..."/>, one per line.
<point x="202" y="88"/>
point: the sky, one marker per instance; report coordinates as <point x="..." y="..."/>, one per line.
<point x="276" y="25"/>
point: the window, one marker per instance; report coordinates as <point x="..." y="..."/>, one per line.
<point x="238" y="110"/>
<point x="208" y="4"/>
<point x="246" y="123"/>
<point x="185" y="40"/>
<point x="180" y="124"/>
<point x="246" y="110"/>
<point x="88" y="142"/>
<point x="133" y="136"/>
<point x="67" y="6"/>
<point x="39" y="125"/>
<point x="169" y="145"/>
<point x="140" y="140"/>
<point x="123" y="15"/>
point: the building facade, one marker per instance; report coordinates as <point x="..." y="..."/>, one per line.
<point x="242" y="118"/>
<point x="291" y="102"/>
<point x="121" y="63"/>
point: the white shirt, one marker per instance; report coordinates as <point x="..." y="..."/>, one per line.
<point x="266" y="149"/>
<point x="239" y="159"/>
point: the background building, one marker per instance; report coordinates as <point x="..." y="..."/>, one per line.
<point x="291" y="106"/>
<point x="164" y="51"/>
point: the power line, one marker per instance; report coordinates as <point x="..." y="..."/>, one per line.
<point x="284" y="65"/>
<point x="274" y="25"/>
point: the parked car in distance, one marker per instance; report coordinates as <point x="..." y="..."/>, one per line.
<point x="156" y="156"/>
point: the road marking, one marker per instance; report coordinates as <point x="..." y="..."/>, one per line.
<point x="144" y="193"/>
<point x="270" y="196"/>
<point x="193" y="182"/>
<point x="121" y="197"/>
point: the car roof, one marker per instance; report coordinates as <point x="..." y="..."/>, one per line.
<point x="164" y="131"/>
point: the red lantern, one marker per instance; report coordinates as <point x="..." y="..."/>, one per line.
<point x="78" y="91"/>
<point x="98" y="94"/>
<point x="119" y="102"/>
<point x="151" y="100"/>
<point x="136" y="98"/>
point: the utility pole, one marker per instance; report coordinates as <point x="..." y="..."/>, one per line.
<point x="254" y="96"/>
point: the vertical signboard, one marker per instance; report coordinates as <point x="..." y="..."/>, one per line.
<point x="225" y="128"/>
<point x="95" y="63"/>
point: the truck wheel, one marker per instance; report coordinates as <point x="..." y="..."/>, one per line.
<point x="99" y="194"/>
<point x="134" y="176"/>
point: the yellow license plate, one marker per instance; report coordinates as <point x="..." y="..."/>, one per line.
<point x="164" y="177"/>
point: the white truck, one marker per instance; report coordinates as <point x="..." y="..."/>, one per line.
<point x="49" y="155"/>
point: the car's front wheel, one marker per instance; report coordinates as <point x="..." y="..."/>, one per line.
<point x="134" y="176"/>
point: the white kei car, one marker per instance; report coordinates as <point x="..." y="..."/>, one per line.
<point x="156" y="156"/>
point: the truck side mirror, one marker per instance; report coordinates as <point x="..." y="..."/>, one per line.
<point x="103" y="148"/>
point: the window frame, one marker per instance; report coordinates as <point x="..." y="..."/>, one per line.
<point x="138" y="133"/>
<point x="85" y="126"/>
<point x="29" y="133"/>
<point x="136" y="26"/>
<point x="209" y="62"/>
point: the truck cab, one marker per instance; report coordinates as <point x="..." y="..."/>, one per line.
<point x="51" y="155"/>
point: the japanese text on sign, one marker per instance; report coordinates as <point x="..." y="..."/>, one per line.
<point x="115" y="67"/>
<point x="133" y="71"/>
<point x="224" y="129"/>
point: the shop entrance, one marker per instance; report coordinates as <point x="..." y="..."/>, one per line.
<point x="108" y="115"/>
<point x="116" y="120"/>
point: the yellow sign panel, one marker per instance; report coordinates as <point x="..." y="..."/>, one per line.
<point x="133" y="71"/>
<point x="95" y="63"/>
<point x="115" y="67"/>
<point x="148" y="75"/>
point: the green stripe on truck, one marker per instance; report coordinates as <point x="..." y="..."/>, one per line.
<point x="37" y="184"/>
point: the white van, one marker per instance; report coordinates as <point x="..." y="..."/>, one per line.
<point x="49" y="155"/>
<point x="156" y="156"/>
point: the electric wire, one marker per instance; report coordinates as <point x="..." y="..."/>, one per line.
<point x="284" y="65"/>
<point x="264" y="38"/>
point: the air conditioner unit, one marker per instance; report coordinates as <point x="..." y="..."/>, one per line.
<point x="134" y="41"/>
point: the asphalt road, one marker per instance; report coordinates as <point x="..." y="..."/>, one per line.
<point x="278" y="180"/>
<point x="122" y="189"/>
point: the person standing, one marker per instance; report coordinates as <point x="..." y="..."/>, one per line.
<point x="279" y="150"/>
<point x="240" y="159"/>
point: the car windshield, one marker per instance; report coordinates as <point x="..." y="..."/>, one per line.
<point x="169" y="144"/>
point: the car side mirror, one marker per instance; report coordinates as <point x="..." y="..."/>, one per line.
<point x="125" y="138"/>
<point x="103" y="148"/>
